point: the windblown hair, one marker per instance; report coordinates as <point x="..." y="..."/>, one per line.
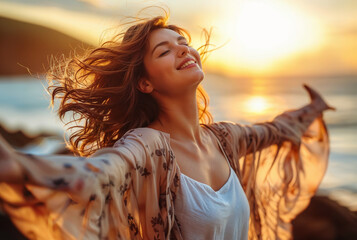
<point x="100" y="87"/>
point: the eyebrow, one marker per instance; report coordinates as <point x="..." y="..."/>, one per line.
<point x="166" y="42"/>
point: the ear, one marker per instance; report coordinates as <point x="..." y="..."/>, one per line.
<point x="145" y="86"/>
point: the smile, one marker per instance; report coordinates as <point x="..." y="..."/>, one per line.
<point x="188" y="64"/>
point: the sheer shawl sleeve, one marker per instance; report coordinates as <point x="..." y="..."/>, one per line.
<point x="280" y="164"/>
<point x="117" y="193"/>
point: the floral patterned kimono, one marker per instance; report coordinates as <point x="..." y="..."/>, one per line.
<point x="128" y="191"/>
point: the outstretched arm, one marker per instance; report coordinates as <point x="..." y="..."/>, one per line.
<point x="288" y="126"/>
<point x="75" y="175"/>
<point x="73" y="197"/>
<point x="292" y="124"/>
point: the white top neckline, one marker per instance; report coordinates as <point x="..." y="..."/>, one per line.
<point x="208" y="186"/>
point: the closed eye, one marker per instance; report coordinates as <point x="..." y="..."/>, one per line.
<point x="162" y="54"/>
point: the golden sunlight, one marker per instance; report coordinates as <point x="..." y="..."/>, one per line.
<point x="261" y="33"/>
<point x="256" y="105"/>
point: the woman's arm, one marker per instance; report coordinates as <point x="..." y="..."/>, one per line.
<point x="79" y="176"/>
<point x="288" y="126"/>
<point x="120" y="184"/>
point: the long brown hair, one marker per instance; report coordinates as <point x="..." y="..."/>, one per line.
<point x="100" y="87"/>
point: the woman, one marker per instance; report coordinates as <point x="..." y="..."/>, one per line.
<point x="163" y="169"/>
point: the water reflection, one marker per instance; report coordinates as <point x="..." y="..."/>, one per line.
<point x="256" y="105"/>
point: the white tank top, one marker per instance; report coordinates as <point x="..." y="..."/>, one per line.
<point x="207" y="214"/>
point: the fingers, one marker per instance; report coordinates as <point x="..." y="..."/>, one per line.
<point x="312" y="93"/>
<point x="315" y="97"/>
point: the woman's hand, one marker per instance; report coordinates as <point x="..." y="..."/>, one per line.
<point x="316" y="100"/>
<point x="10" y="169"/>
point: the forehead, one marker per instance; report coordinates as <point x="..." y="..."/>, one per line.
<point x="160" y="35"/>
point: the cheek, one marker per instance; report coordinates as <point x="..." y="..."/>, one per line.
<point x="160" y="70"/>
<point x="158" y="77"/>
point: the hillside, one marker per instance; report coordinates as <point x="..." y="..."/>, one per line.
<point x="31" y="45"/>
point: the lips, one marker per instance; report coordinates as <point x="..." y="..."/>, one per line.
<point x="184" y="62"/>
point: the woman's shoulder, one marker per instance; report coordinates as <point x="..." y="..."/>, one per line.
<point x="222" y="125"/>
<point x="143" y="147"/>
<point x="228" y="130"/>
<point x="143" y="135"/>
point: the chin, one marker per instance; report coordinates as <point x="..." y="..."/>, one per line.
<point x="197" y="81"/>
<point x="195" y="78"/>
<point x="200" y="76"/>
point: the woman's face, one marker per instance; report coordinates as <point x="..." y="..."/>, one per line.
<point x="172" y="66"/>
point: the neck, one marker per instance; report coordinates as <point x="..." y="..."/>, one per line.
<point x="179" y="118"/>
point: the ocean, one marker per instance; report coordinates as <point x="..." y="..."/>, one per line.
<point x="24" y="104"/>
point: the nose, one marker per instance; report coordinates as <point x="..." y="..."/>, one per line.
<point x="183" y="50"/>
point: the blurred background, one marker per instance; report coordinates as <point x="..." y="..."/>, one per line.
<point x="268" y="49"/>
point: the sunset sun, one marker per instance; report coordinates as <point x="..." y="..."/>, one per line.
<point x="261" y="33"/>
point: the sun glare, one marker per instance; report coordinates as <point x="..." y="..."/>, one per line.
<point x="256" y="105"/>
<point x="262" y="32"/>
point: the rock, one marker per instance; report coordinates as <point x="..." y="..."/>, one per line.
<point x="19" y="139"/>
<point x="325" y="219"/>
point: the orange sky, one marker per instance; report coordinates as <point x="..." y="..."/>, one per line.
<point x="263" y="38"/>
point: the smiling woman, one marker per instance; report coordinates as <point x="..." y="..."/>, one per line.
<point x="104" y="80"/>
<point x="172" y="66"/>
<point x="153" y="163"/>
